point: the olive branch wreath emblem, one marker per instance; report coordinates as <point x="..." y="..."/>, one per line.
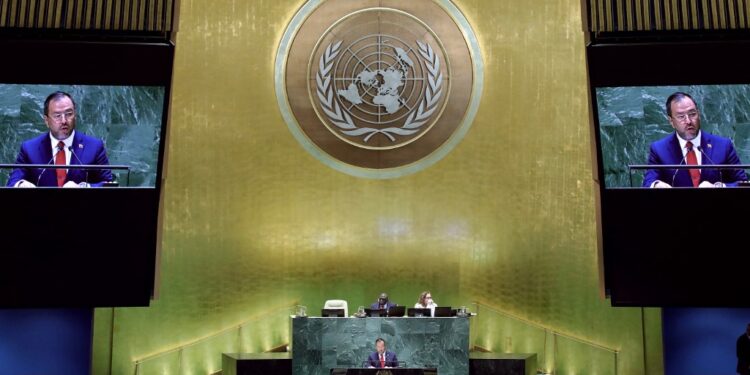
<point x="343" y="120"/>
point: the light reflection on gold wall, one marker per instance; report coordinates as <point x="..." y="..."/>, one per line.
<point x="253" y="222"/>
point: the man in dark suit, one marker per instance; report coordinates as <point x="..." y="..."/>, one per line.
<point x="383" y="303"/>
<point x="62" y="145"/>
<point x="743" y="353"/>
<point x="689" y="145"/>
<point x="382" y="358"/>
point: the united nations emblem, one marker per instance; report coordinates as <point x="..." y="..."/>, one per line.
<point x="381" y="88"/>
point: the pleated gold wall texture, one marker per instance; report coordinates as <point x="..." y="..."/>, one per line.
<point x="254" y="224"/>
<point x="101" y="15"/>
<point x="666" y="15"/>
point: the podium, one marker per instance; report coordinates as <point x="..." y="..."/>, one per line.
<point x="673" y="169"/>
<point x="322" y="344"/>
<point x="384" y="371"/>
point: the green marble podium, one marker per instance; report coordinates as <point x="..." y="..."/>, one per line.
<point x="322" y="344"/>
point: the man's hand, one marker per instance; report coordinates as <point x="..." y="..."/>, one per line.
<point x="706" y="184"/>
<point x="25" y="184"/>
<point x="662" y="185"/>
<point x="71" y="184"/>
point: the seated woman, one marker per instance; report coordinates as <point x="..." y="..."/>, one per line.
<point x="425" y="302"/>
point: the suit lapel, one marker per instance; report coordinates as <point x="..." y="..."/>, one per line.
<point x="675" y="150"/>
<point x="45" y="151"/>
<point x="76" y="151"/>
<point x="708" y="157"/>
<point x="708" y="149"/>
<point x="682" y="177"/>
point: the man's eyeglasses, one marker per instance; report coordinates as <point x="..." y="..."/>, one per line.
<point x="60" y="115"/>
<point x="681" y="117"/>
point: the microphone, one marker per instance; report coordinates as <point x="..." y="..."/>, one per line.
<point x="49" y="162"/>
<point x="681" y="161"/>
<point x="710" y="161"/>
<point x="79" y="162"/>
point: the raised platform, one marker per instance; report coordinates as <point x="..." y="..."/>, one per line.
<point x="502" y="364"/>
<point x="281" y="364"/>
<point x="387" y="371"/>
<point x="256" y="363"/>
<point x="322" y="344"/>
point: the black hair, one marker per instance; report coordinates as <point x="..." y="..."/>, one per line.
<point x="677" y="96"/>
<point x="57" y="95"/>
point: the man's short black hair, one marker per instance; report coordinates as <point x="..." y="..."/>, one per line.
<point x="679" y="95"/>
<point x="379" y="340"/>
<point x="56" y="96"/>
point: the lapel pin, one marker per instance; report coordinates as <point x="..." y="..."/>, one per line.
<point x="709" y="145"/>
<point x="80" y="145"/>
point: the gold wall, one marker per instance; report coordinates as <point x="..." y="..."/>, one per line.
<point x="253" y="223"/>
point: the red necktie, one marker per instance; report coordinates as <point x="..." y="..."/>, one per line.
<point x="695" y="174"/>
<point x="60" y="160"/>
<point x="382" y="361"/>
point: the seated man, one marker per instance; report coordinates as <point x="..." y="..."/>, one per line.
<point x="382" y="358"/>
<point x="62" y="145"/>
<point x="688" y="145"/>
<point x="382" y="303"/>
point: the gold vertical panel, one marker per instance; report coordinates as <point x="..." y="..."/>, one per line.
<point x="21" y="16"/>
<point x="99" y="9"/>
<point x="742" y="14"/>
<point x="158" y="4"/>
<point x="67" y="7"/>
<point x="140" y="15"/>
<point x="686" y="14"/>
<point x="694" y="11"/>
<point x="123" y="16"/>
<point x="57" y="21"/>
<point x="673" y="15"/>
<point x="638" y="16"/>
<point x="117" y="15"/>
<point x="714" y="15"/>
<point x="647" y="16"/>
<point x="629" y="22"/>
<point x="252" y="221"/>
<point x="658" y="16"/>
<point x="609" y="15"/>
<point x="11" y="15"/>
<point x="108" y="19"/>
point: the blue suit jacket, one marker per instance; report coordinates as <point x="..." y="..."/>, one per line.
<point x="390" y="359"/>
<point x="376" y="306"/>
<point x="716" y="150"/>
<point x="86" y="150"/>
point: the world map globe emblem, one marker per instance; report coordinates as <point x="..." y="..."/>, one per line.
<point x="379" y="91"/>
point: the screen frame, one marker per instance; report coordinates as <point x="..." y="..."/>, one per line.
<point x="101" y="272"/>
<point x="623" y="213"/>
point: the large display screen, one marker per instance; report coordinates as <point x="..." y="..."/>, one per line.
<point x="94" y="244"/>
<point x="632" y="118"/>
<point x="127" y="119"/>
<point x="681" y="246"/>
